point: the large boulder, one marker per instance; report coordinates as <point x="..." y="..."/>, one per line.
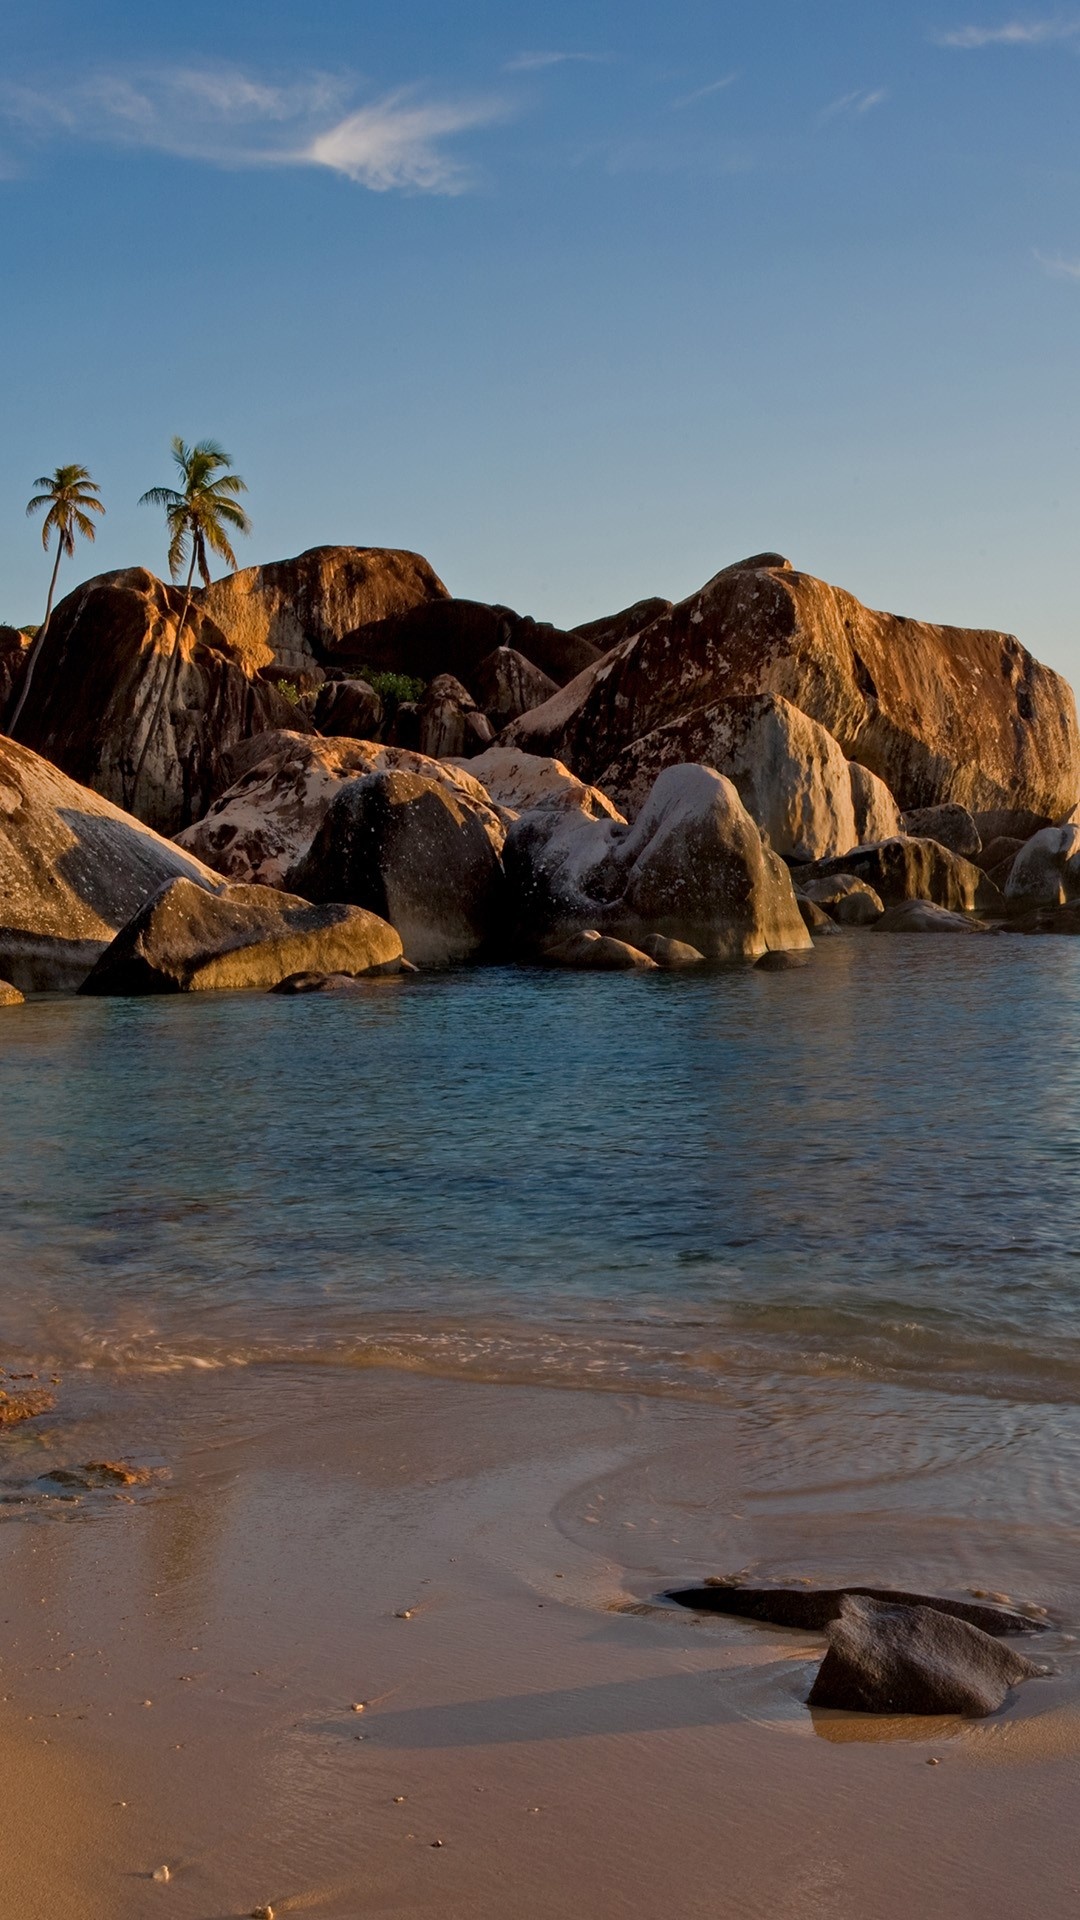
<point x="14" y="651"/>
<point x="692" y="867"/>
<point x="517" y="782"/>
<point x="847" y="901"/>
<point x="282" y="788"/>
<point x="1046" y="871"/>
<point x="613" y="628"/>
<point x="789" y="772"/>
<point x="921" y="916"/>
<point x="73" y="870"/>
<point x="94" y="697"/>
<point x="906" y="869"/>
<point x="914" y="1660"/>
<point x="505" y="685"/>
<point x="938" y="713"/>
<point x="454" y="636"/>
<point x="348" y="710"/>
<point x="290" y="615"/>
<point x="877" y="816"/>
<point x="418" y="853"/>
<point x="188" y="939"/>
<point x="950" y="825"/>
<point x="592" y="952"/>
<point x="450" y="723"/>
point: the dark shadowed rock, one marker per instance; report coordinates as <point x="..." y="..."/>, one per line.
<point x="348" y="710"/>
<point x="815" y="918"/>
<point x="921" y="916"/>
<point x="14" y="652"/>
<point x="506" y="685"/>
<point x="938" y="713"/>
<point x="73" y="870"/>
<point x="450" y="722"/>
<point x="877" y="816"/>
<point x="293" y="614"/>
<point x="419" y="853"/>
<point x="906" y="869"/>
<point x="298" y="984"/>
<point x="950" y="825"/>
<point x="812" y="1609"/>
<point x="999" y="853"/>
<point x="95" y="692"/>
<point x="901" y="1659"/>
<point x="692" y="867"/>
<point x="590" y="951"/>
<point x="453" y="636"/>
<point x="189" y="940"/>
<point x="613" y="628"/>
<point x="848" y="901"/>
<point x="9" y="995"/>
<point x="782" y="962"/>
<point x="671" y="954"/>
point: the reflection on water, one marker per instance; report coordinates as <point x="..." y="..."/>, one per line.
<point x="869" y="1166"/>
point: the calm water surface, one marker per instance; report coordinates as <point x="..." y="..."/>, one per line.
<point x="870" y="1168"/>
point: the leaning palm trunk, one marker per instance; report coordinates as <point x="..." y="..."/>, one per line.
<point x="166" y="686"/>
<point x="36" y="648"/>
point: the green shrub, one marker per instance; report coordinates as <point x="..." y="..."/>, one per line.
<point x="288" y="692"/>
<point x="394" y="688"/>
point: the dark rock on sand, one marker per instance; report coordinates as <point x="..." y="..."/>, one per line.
<point x="950" y="825"/>
<point x="908" y="869"/>
<point x="918" y="1660"/>
<point x="814" y="1608"/>
<point x="189" y="940"/>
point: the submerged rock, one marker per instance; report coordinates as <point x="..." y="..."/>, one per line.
<point x="189" y="940"/>
<point x="921" y="916"/>
<point x="671" y="954"/>
<point x="590" y="951"/>
<point x="903" y="1659"/>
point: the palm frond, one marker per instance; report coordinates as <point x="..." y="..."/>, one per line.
<point x="166" y="497"/>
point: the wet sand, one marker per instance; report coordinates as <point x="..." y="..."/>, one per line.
<point x="477" y="1567"/>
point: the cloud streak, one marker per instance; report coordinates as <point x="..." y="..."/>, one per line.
<point x="1013" y="33"/>
<point x="704" y="93"/>
<point x="226" y="118"/>
<point x="863" y="100"/>
<point x="1058" y="266"/>
<point x="538" y="62"/>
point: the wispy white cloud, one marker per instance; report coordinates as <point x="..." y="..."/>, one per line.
<point x="702" y="93"/>
<point x="1012" y="33"/>
<point x="536" y="62"/>
<point x="1058" y="266"/>
<point x="227" y="118"/>
<point x="863" y="100"/>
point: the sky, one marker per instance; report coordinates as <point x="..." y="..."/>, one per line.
<point x="581" y="301"/>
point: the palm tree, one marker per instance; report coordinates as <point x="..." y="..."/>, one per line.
<point x="199" y="514"/>
<point x="71" y="497"/>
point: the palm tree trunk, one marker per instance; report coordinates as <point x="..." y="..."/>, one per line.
<point x="39" y="642"/>
<point x="166" y="684"/>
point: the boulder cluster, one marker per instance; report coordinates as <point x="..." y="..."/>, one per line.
<point x="352" y="772"/>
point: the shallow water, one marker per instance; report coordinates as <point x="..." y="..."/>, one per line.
<point x="868" y="1167"/>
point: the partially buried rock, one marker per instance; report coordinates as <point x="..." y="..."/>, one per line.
<point x="9" y="995"/>
<point x="811" y="1609"/>
<point x="102" y="1473"/>
<point x="921" y="916"/>
<point x="849" y="901"/>
<point x="188" y="940"/>
<point x="596" y="952"/>
<point x="914" y="1660"/>
<point x="340" y="983"/>
<point x="671" y="953"/>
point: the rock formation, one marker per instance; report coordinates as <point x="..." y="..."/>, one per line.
<point x="890" y="1659"/>
<point x="592" y="952"/>
<point x="692" y="867"/>
<point x="950" y="825"/>
<point x="95" y="692"/>
<point x="190" y="940"/>
<point x="454" y="636"/>
<point x="289" y="615"/>
<point x="921" y="916"/>
<point x="283" y="786"/>
<point x="73" y="870"/>
<point x="518" y="782"/>
<point x="1046" y="871"/>
<point x="348" y="710"/>
<point x="877" y="816"/>
<point x="419" y="854"/>
<point x="450" y="724"/>
<point x="938" y="713"/>
<point x="908" y="869"/>
<point x="505" y="685"/>
<point x="613" y="628"/>
<point x="848" y="901"/>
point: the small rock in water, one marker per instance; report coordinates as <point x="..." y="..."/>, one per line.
<point x="781" y="961"/>
<point x="912" y="1660"/>
<point x="814" y="1608"/>
<point x="262" y="1913"/>
<point x="161" y="1874"/>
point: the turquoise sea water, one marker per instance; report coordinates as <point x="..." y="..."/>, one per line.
<point x="867" y="1168"/>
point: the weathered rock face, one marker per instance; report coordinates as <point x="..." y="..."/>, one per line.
<point x="938" y="713"/>
<point x="419" y="854"/>
<point x="505" y="685"/>
<point x="14" y="650"/>
<point x="96" y="687"/>
<point x="950" y="825"/>
<point x="73" y="870"/>
<point x="888" y="1659"/>
<point x="877" y="816"/>
<point x="1046" y="871"/>
<point x="348" y="710"/>
<point x="692" y="867"/>
<point x="848" y="901"/>
<point x="789" y="773"/>
<point x="907" y="869"/>
<point x="613" y="628"/>
<point x="518" y="782"/>
<point x="189" y="940"/>
<point x="283" y="788"/>
<point x="289" y="615"/>
<point x="450" y="722"/>
<point x="454" y="636"/>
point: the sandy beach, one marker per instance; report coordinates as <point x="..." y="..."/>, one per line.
<point x="477" y="1568"/>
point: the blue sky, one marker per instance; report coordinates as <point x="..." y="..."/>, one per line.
<point x="580" y="300"/>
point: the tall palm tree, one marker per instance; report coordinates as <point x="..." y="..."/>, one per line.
<point x="70" y="496"/>
<point x="200" y="513"/>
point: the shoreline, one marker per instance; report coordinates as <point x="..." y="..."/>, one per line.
<point x="477" y="1566"/>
